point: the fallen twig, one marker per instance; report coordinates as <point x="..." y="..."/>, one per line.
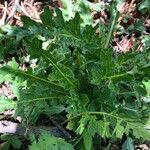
<point x="61" y="128"/>
<point x="24" y="131"/>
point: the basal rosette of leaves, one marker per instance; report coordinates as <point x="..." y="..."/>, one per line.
<point x="100" y="91"/>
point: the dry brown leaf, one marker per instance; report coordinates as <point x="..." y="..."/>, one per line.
<point x="124" y="45"/>
<point x="123" y="8"/>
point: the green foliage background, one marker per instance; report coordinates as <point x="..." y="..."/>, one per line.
<point x="101" y="92"/>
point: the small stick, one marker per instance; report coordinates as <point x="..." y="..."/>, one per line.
<point x="61" y="128"/>
<point x="24" y="131"/>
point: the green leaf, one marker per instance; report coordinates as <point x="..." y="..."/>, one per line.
<point x="119" y="129"/>
<point x="1" y="53"/>
<point x="83" y="123"/>
<point x="48" y="142"/>
<point x="15" y="142"/>
<point x="139" y="130"/>
<point x="145" y="4"/>
<point x="5" y="146"/>
<point x="59" y="20"/>
<point x="139" y="26"/>
<point x="16" y="72"/>
<point x="55" y="110"/>
<point x="11" y="140"/>
<point x="87" y="139"/>
<point x="103" y="126"/>
<point x="73" y="72"/>
<point x="7" y="104"/>
<point x="92" y="126"/>
<point x="27" y="21"/>
<point x="146" y="41"/>
<point x="147" y="86"/>
<point x="64" y="74"/>
<point x="140" y="90"/>
<point x="61" y="70"/>
<point x="46" y="18"/>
